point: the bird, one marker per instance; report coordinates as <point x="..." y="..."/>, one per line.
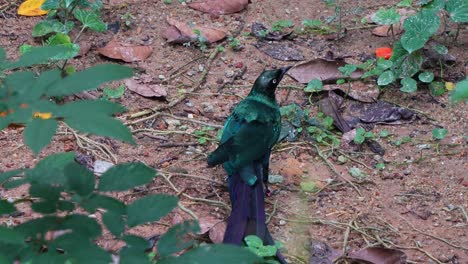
<point x="249" y="134"/>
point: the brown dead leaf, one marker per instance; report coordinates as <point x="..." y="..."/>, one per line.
<point x="85" y="46"/>
<point x="220" y="7"/>
<point x="181" y="32"/>
<point x="146" y="90"/>
<point x="378" y="255"/>
<point x="321" y="253"/>
<point x="206" y="223"/>
<point x="385" y="31"/>
<point x="217" y="232"/>
<point x="367" y="93"/>
<point x="125" y="52"/>
<point x="324" y="70"/>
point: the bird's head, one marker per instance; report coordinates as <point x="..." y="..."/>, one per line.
<point x="267" y="82"/>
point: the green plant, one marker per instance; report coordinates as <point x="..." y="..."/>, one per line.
<point x="201" y="40"/>
<point x="113" y="93"/>
<point x="128" y="19"/>
<point x="268" y="253"/>
<point x="65" y="195"/>
<point x="281" y="24"/>
<point x="388" y="17"/>
<point x="460" y="93"/>
<point x="234" y="43"/>
<point x="313" y="25"/>
<point x="362" y="135"/>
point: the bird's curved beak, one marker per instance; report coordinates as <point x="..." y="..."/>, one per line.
<point x="284" y="70"/>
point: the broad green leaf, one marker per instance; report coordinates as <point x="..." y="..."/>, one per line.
<point x="39" y="133"/>
<point x="134" y="251"/>
<point x="426" y="77"/>
<point x="61" y="39"/>
<point x="51" y="4"/>
<point x="441" y="49"/>
<point x="458" y="10"/>
<point x="11" y="236"/>
<point x="122" y="177"/>
<point x="177" y="238"/>
<point x="314" y="85"/>
<point x="340" y="81"/>
<point x="418" y="29"/>
<point x="105" y="202"/>
<point x="43" y="81"/>
<point x="6" y="207"/>
<point x="311" y="23"/>
<point x="384" y="133"/>
<point x="253" y="241"/>
<point x="215" y="254"/>
<point x="383" y="64"/>
<point x="408" y="85"/>
<point x="347" y="69"/>
<point x="39" y="55"/>
<point x="437" y="88"/>
<point x="47" y="26"/>
<point x="88" y="107"/>
<point x="439" y="133"/>
<point x="25" y="48"/>
<point x="114" y="222"/>
<point x="79" y="179"/>
<point x="14" y="183"/>
<point x="108" y="126"/>
<point x="114" y="93"/>
<point x="37" y="226"/>
<point x="150" y="208"/>
<point x="405" y="3"/>
<point x="386" y="78"/>
<point x="81" y="249"/>
<point x="45" y="207"/>
<point x="89" y="79"/>
<point x="65" y="206"/>
<point x="50" y="170"/>
<point x="90" y="20"/>
<point x="386" y="16"/>
<point x="435" y="5"/>
<point x="136" y="242"/>
<point x="460" y="93"/>
<point x="359" y="138"/>
<point x="81" y="225"/>
<point x="280" y="24"/>
<point x="411" y="65"/>
<point x="45" y="191"/>
<point x="8" y="174"/>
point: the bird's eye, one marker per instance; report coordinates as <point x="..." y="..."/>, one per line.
<point x="274" y="81"/>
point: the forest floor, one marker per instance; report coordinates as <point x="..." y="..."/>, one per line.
<point x="418" y="203"/>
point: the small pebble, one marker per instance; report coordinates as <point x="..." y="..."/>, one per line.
<point x="229" y="73"/>
<point x="201" y="67"/>
<point x="190" y="116"/>
<point x="191" y="73"/>
<point x="101" y="166"/>
<point x="282" y="222"/>
<point x="161" y="77"/>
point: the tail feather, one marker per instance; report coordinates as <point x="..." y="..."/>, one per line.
<point x="248" y="210"/>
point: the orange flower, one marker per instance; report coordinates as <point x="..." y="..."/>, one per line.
<point x="383" y="52"/>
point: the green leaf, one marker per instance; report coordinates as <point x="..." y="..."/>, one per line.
<point x="426" y="77"/>
<point x="125" y="176"/>
<point x="50" y="170"/>
<point x="47" y="26"/>
<point x="114" y="222"/>
<point x="405" y="3"/>
<point x="386" y="16"/>
<point x="108" y="126"/>
<point x="357" y="173"/>
<point x="280" y="24"/>
<point x="45" y="191"/>
<point x="90" y="20"/>
<point x="253" y="241"/>
<point x="311" y="23"/>
<point x="39" y="133"/>
<point x="114" y="93"/>
<point x="460" y="93"/>
<point x="51" y="4"/>
<point x="88" y="107"/>
<point x="104" y="202"/>
<point x="435" y="5"/>
<point x="8" y="174"/>
<point x="437" y="88"/>
<point x="380" y="166"/>
<point x="348" y="69"/>
<point x="134" y="251"/>
<point x="384" y="133"/>
<point x="411" y="65"/>
<point x="441" y="49"/>
<point x="439" y="133"/>
<point x="89" y="79"/>
<point x="10" y="236"/>
<point x="39" y="55"/>
<point x="150" y="208"/>
<point x="61" y="39"/>
<point x="386" y="78"/>
<point x="6" y="207"/>
<point x="80" y="249"/>
<point x="383" y="64"/>
<point x="314" y="85"/>
<point x="215" y="254"/>
<point x="81" y="225"/>
<point x="79" y="179"/>
<point x="177" y="239"/>
<point x="458" y="10"/>
<point x="25" y="48"/>
<point x="359" y="138"/>
<point x="309" y="186"/>
<point x="408" y="85"/>
<point x="418" y="29"/>
<point x="45" y="207"/>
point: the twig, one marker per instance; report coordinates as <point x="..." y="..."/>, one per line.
<point x="330" y="165"/>
<point x="354" y="160"/>
<point x="272" y="212"/>
<point x="172" y="145"/>
<point x="238" y="74"/>
<point x="155" y="111"/>
<point x="192" y="120"/>
<point x="346" y="235"/>
<point x="188" y="211"/>
<point x="193" y="177"/>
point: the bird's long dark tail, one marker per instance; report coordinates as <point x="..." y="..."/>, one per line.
<point x="248" y="210"/>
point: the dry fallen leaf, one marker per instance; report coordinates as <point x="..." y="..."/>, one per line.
<point x="378" y="255"/>
<point x="85" y="46"/>
<point x="125" y="52"/>
<point x="280" y="50"/>
<point x="45" y="115"/>
<point x="32" y="8"/>
<point x="385" y="31"/>
<point x="146" y="90"/>
<point x="367" y="93"/>
<point x="181" y="32"/>
<point x="217" y="232"/>
<point x="324" y="70"/>
<point x="206" y="223"/>
<point x="220" y="7"/>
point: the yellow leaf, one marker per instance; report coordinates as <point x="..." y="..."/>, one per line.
<point x="32" y="8"/>
<point x="3" y="113"/>
<point x="42" y="115"/>
<point x="449" y="86"/>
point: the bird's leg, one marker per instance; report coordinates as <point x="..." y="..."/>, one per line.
<point x="265" y="169"/>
